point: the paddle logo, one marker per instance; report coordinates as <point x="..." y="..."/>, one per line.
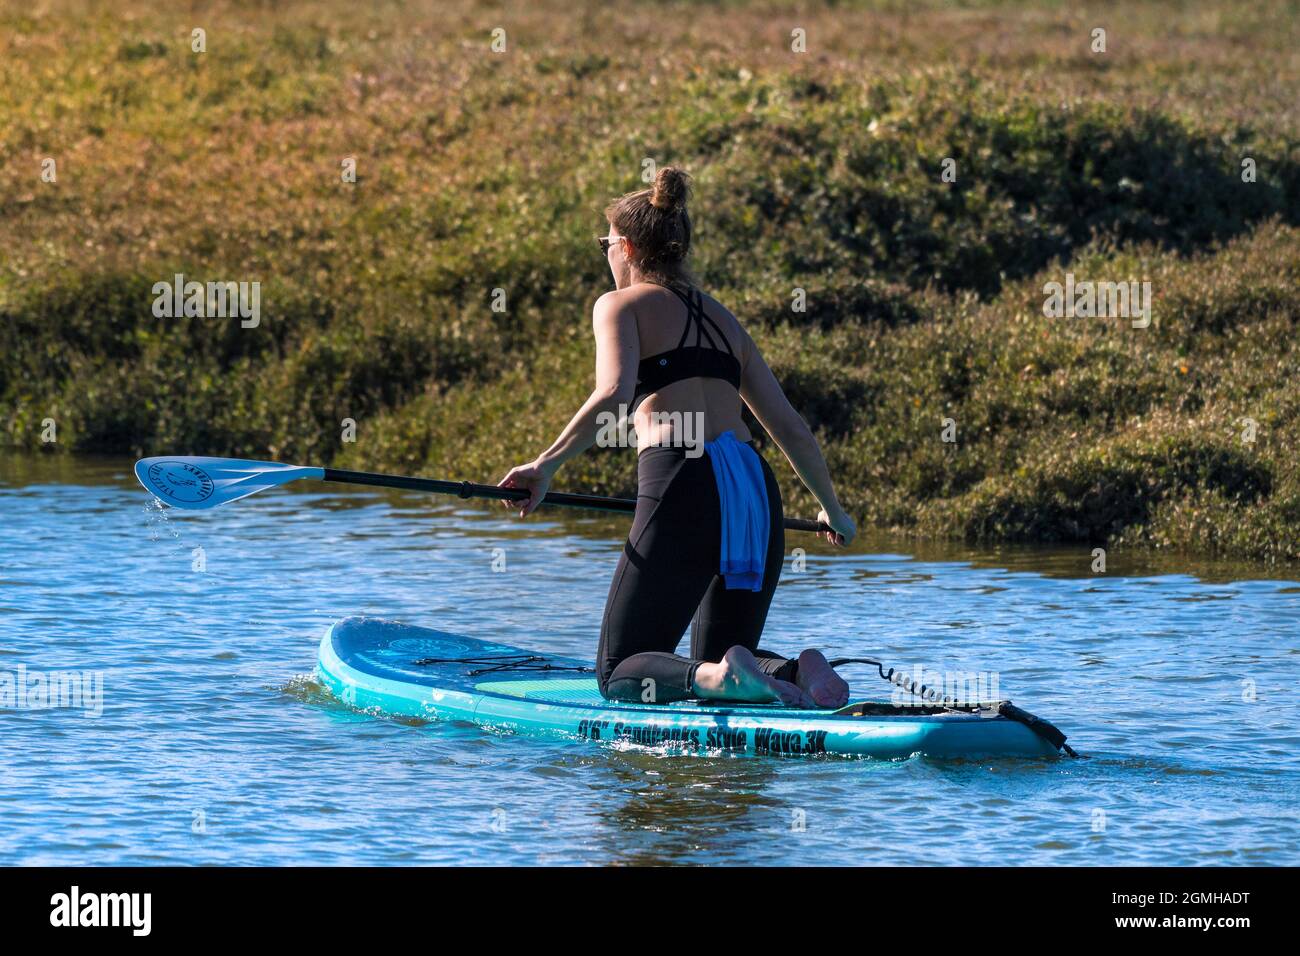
<point x="180" y="481"/>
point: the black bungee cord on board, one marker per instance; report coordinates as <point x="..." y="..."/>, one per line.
<point x="505" y="663"/>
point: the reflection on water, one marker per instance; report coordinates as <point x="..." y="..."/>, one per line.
<point x="215" y="745"/>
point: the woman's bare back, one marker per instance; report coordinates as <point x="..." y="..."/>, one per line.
<point x="694" y="410"/>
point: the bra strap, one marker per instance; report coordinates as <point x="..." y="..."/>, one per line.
<point x="696" y="317"/>
<point x="690" y="315"/>
<point x="701" y="318"/>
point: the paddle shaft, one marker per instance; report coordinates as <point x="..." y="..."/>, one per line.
<point x="468" y="489"/>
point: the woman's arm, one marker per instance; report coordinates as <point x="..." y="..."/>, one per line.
<point x="763" y="394"/>
<point x="618" y="351"/>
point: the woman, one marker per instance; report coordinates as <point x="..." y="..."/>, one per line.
<point x="707" y="540"/>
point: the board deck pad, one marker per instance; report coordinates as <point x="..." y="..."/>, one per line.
<point x="555" y="690"/>
<point x="402" y="670"/>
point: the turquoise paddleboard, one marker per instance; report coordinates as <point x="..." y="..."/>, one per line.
<point x="399" y="670"/>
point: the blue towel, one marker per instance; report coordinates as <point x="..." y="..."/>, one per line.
<point x="743" y="495"/>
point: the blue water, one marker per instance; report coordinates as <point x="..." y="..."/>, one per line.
<point x="212" y="743"/>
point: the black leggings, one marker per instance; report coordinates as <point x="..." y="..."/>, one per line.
<point x="669" y="573"/>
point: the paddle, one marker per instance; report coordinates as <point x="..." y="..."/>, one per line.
<point x="198" y="484"/>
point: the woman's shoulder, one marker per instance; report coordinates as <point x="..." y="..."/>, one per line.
<point x="642" y="292"/>
<point x="647" y="298"/>
<point x="644" y="298"/>
<point x="626" y="297"/>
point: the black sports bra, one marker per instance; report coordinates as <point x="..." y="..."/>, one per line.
<point x="689" y="361"/>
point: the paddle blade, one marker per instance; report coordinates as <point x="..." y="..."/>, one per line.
<point x="201" y="483"/>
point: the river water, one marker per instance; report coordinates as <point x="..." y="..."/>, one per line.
<point x="210" y="742"/>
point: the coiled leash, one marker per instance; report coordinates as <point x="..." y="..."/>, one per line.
<point x="1004" y="708"/>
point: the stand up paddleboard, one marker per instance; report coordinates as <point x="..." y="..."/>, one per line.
<point x="399" y="670"/>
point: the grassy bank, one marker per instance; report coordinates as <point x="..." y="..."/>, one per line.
<point x="479" y="171"/>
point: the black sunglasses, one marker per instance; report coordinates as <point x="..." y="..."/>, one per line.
<point x="606" y="242"/>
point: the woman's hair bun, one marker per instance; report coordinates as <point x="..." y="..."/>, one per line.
<point x="672" y="186"/>
<point x="657" y="225"/>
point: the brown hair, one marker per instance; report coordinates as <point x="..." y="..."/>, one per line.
<point x="656" y="222"/>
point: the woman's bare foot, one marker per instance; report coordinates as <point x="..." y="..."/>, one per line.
<point x="737" y="677"/>
<point x="820" y="682"/>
